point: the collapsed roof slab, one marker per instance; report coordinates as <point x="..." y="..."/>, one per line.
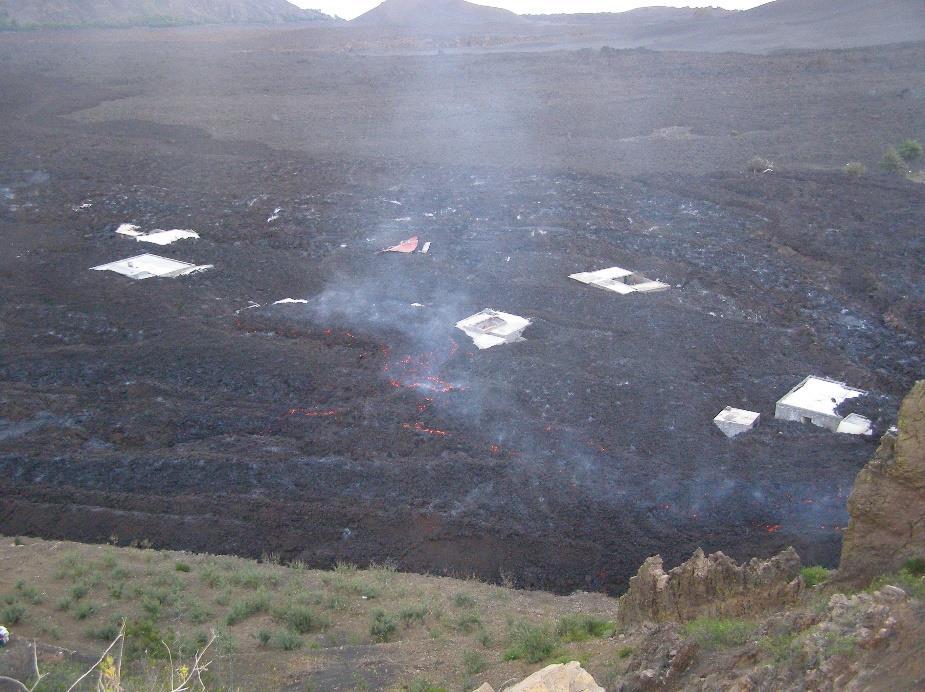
<point x="815" y="400"/>
<point x="146" y="266"/>
<point x="855" y="424"/>
<point x="492" y="328"/>
<point x="735" y="421"/>
<point x="129" y="229"/>
<point x="619" y="280"/>
<point x="166" y="237"/>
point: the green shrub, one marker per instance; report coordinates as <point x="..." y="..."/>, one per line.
<point x="143" y="639"/>
<point x="382" y="627"/>
<point x="183" y="567"/>
<point x="12" y="614"/>
<point x="264" y="636"/>
<point x="905" y="579"/>
<point x="250" y="577"/>
<point x="814" y="575"/>
<point x="530" y="643"/>
<point x="287" y="641"/>
<point x="892" y="162"/>
<point x="474" y="662"/>
<point x="301" y="619"/>
<point x="910" y="150"/>
<point x="468" y="623"/>
<point x="241" y="610"/>
<point x="84" y="610"/>
<point x="625" y="652"/>
<point x="152" y="606"/>
<point x="463" y="600"/>
<point x="105" y="633"/>
<point x="78" y="591"/>
<point x="839" y="644"/>
<point x="915" y="567"/>
<point x="424" y="686"/>
<point x="717" y="633"/>
<point x="779" y="648"/>
<point x="29" y="593"/>
<point x="211" y="575"/>
<point x="855" y="169"/>
<point x="579" y="628"/>
<point x="412" y="614"/>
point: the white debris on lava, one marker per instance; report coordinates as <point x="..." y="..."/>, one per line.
<point x="815" y="401"/>
<point x="735" y="421"/>
<point x="492" y="328"/>
<point x="426" y="248"/>
<point x="146" y="266"/>
<point x="287" y="301"/>
<point x="274" y="215"/>
<point x="129" y="229"/>
<point x="620" y="281"/>
<point x="159" y="237"/>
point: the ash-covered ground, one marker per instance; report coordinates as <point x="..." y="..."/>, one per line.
<point x="193" y="413"/>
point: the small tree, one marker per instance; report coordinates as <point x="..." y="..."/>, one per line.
<point x="910" y="150"/>
<point x="758" y="164"/>
<point x="855" y="169"/>
<point x="892" y="162"/>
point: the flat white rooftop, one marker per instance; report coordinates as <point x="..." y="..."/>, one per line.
<point x="145" y="266"/>
<point x="819" y="395"/>
<point x="619" y="280"/>
<point x="492" y="328"/>
<point x="735" y="421"/>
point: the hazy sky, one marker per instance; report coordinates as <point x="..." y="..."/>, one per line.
<point x="352" y="8"/>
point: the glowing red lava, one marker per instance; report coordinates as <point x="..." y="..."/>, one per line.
<point x="420" y="427"/>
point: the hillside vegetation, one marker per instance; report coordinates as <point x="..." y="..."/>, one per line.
<point x="28" y="14"/>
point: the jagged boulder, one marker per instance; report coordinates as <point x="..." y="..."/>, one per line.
<point x="559" y="677"/>
<point x="887" y="505"/>
<point x="710" y="585"/>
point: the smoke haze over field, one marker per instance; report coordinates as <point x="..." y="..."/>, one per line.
<point x="354" y="8"/>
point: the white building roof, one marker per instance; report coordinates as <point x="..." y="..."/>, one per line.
<point x="145" y="266"/>
<point x="620" y="281"/>
<point x="492" y="328"/>
<point x="819" y="395"/>
<point x="737" y="416"/>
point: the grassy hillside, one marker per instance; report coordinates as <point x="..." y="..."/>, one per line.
<point x="31" y="14"/>
<point x="281" y="625"/>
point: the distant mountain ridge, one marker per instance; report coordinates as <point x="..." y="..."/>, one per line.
<point x="434" y="12"/>
<point x="45" y="13"/>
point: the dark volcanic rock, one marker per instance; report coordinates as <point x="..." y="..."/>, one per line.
<point x="434" y="12"/>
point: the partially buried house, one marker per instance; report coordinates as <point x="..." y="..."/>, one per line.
<point x="816" y="400"/>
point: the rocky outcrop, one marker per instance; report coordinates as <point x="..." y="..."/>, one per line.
<point x="560" y="677"/>
<point x="887" y="505"/>
<point x="710" y="585"/>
